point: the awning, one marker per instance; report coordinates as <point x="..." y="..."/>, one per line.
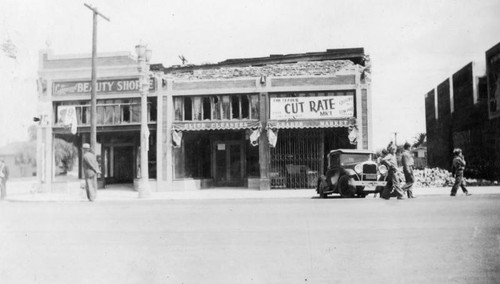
<point x="302" y="124"/>
<point x="215" y="125"/>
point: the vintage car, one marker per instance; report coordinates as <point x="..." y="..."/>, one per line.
<point x="352" y="173"/>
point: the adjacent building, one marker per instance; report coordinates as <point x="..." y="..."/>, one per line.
<point x="263" y="123"/>
<point x="461" y="112"/>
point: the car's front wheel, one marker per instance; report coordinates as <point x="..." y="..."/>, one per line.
<point x="322" y="185"/>
<point x="346" y="187"/>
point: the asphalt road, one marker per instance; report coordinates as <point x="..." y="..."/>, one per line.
<point x="431" y="239"/>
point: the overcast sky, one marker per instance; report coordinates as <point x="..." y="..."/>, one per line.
<point x="414" y="45"/>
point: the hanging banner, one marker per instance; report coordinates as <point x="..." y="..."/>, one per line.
<point x="176" y="138"/>
<point x="321" y="107"/>
<point x="254" y="137"/>
<point x="66" y="116"/>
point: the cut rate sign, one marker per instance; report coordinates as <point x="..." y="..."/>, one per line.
<point x="323" y="107"/>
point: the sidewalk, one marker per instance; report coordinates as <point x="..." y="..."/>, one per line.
<point x="23" y="191"/>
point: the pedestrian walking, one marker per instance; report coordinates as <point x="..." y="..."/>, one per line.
<point x="4" y="176"/>
<point x="407" y="161"/>
<point x="380" y="189"/>
<point x="393" y="182"/>
<point x="90" y="170"/>
<point x="458" y="168"/>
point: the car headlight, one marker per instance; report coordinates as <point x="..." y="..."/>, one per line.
<point x="382" y="169"/>
<point x="358" y="168"/>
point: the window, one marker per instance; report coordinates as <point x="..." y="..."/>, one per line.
<point x="235" y="107"/>
<point x="188" y="108"/>
<point x="207" y="108"/>
<point x="221" y="107"/>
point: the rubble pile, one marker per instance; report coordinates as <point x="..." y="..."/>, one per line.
<point x="433" y="177"/>
<point x="437" y="177"/>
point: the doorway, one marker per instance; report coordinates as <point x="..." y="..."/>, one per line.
<point x="119" y="164"/>
<point x="228" y="163"/>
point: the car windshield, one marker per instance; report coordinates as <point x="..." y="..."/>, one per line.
<point x="349" y="159"/>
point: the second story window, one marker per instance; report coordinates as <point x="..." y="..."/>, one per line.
<point x="220" y="107"/>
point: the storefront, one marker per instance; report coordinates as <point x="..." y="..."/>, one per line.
<point x="262" y="123"/>
<point x="267" y="126"/>
<point x="64" y="99"/>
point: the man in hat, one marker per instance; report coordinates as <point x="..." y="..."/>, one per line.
<point x="407" y="161"/>
<point x="393" y="184"/>
<point x="90" y="170"/>
<point x="458" y="168"/>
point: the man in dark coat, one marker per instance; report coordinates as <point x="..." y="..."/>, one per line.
<point x="407" y="161"/>
<point x="458" y="168"/>
<point x="90" y="170"/>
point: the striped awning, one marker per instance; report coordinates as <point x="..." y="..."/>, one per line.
<point x="303" y="124"/>
<point x="214" y="125"/>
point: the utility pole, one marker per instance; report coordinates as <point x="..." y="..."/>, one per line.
<point x="396" y="139"/>
<point x="93" y="100"/>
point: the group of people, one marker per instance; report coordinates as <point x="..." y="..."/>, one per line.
<point x="394" y="188"/>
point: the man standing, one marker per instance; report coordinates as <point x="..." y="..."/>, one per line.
<point x="458" y="168"/>
<point x="4" y="176"/>
<point x="407" y="161"/>
<point x="90" y="170"/>
<point x="393" y="184"/>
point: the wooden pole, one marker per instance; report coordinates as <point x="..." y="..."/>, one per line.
<point x="93" y="99"/>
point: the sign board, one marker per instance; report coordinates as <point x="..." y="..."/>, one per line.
<point x="131" y="85"/>
<point x="493" y="73"/>
<point x="303" y="108"/>
<point x="215" y="125"/>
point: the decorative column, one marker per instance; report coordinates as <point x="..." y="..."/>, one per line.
<point x="264" y="150"/>
<point x="143" y="57"/>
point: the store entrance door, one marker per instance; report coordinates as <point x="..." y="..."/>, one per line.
<point x="123" y="164"/>
<point x="228" y="163"/>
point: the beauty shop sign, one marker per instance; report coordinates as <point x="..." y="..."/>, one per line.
<point x="323" y="107"/>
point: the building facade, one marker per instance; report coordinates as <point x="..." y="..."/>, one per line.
<point x="460" y="114"/>
<point x="264" y="123"/>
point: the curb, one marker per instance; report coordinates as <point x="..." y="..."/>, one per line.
<point x="211" y="194"/>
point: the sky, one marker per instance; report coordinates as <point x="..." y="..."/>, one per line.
<point x="414" y="45"/>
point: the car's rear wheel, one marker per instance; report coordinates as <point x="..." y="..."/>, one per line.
<point x="346" y="187"/>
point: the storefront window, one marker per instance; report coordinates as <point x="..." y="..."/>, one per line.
<point x="222" y="107"/>
<point x="110" y="112"/>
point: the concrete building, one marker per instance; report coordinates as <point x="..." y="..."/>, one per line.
<point x="252" y="123"/>
<point x="458" y="116"/>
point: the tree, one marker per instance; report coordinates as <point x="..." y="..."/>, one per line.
<point x="65" y="155"/>
<point x="420" y="140"/>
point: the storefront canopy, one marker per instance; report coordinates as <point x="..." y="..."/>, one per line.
<point x="215" y="125"/>
<point x="302" y="124"/>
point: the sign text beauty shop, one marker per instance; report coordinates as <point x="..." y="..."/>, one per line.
<point x="322" y="107"/>
<point x="103" y="86"/>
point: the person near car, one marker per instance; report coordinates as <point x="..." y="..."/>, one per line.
<point x="458" y="167"/>
<point x="380" y="189"/>
<point x="90" y="170"/>
<point x="407" y="161"/>
<point x="393" y="182"/>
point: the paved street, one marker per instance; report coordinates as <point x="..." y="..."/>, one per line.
<point x="432" y="239"/>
